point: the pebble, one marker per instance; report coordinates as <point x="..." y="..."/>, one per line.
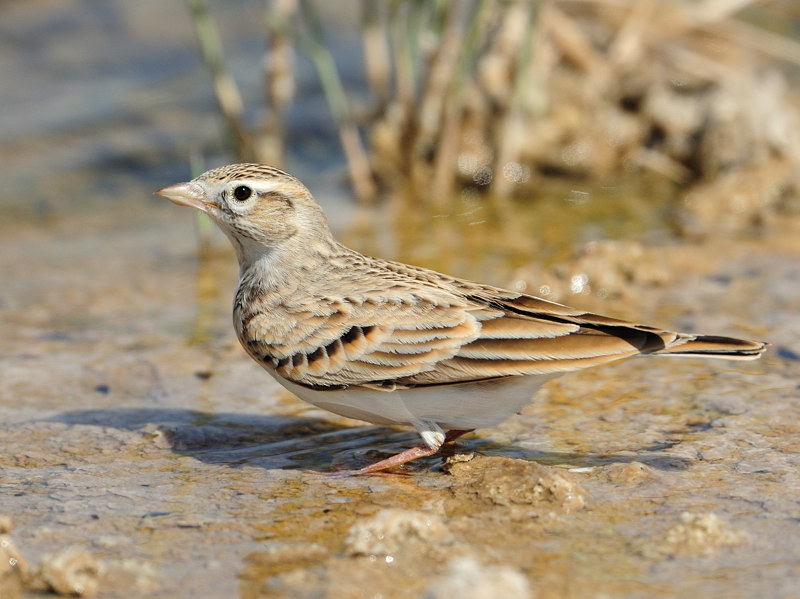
<point x="467" y="578"/>
<point x="390" y="530"/>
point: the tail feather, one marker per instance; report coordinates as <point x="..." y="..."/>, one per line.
<point x="712" y="346"/>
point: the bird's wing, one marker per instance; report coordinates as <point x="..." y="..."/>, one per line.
<point x="535" y="336"/>
<point x="420" y="335"/>
<point x="367" y="338"/>
<point x="415" y="326"/>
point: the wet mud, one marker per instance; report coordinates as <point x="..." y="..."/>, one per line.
<point x="144" y="455"/>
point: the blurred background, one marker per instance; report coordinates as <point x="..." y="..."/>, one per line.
<point x="466" y="135"/>
<point x="640" y="158"/>
<point x="675" y="118"/>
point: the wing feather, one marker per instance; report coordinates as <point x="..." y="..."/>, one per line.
<point x="586" y="344"/>
<point x="468" y="370"/>
<point x="513" y="326"/>
<point x="410" y="340"/>
<point x="416" y="327"/>
<point x="379" y="324"/>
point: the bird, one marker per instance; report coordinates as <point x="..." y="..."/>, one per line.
<point x="394" y="344"/>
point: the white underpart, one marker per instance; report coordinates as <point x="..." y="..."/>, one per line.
<point x="429" y="410"/>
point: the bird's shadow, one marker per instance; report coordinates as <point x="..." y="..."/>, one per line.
<point x="287" y="442"/>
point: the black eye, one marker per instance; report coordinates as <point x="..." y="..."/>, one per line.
<point x="242" y="193"/>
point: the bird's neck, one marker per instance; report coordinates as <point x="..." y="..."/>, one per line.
<point x="275" y="269"/>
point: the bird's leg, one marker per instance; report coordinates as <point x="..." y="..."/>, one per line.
<point x="409" y="455"/>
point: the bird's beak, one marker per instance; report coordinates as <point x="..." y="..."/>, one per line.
<point x="187" y="194"/>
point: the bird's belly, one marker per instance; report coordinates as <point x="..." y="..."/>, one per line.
<point x="457" y="406"/>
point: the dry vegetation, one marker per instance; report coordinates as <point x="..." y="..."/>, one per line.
<point x="497" y="95"/>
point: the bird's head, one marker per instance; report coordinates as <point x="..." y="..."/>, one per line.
<point x="258" y="207"/>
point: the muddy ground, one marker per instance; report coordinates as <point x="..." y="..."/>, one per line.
<point x="137" y="435"/>
<point x="144" y="455"/>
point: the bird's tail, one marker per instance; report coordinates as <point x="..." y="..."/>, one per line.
<point x="712" y="346"/>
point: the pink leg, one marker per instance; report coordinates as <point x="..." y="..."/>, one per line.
<point x="409" y="455"/>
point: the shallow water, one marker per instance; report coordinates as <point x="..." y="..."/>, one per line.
<point x="179" y="466"/>
<point x="134" y="428"/>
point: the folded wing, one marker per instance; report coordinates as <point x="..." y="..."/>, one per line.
<point x="446" y="334"/>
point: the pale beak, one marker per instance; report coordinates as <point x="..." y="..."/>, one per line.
<point x="187" y="194"/>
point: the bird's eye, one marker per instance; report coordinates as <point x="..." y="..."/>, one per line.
<point x="242" y="193"/>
